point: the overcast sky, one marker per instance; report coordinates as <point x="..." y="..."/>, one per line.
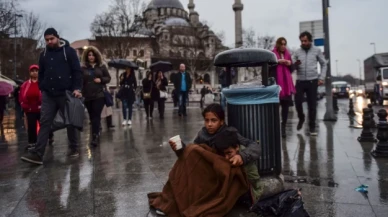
<point x="354" y="24"/>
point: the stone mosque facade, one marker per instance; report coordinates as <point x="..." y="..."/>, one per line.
<point x="167" y="32"/>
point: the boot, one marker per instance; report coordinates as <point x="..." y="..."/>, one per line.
<point x="109" y="122"/>
<point x="95" y="140"/>
<point x="283" y="130"/>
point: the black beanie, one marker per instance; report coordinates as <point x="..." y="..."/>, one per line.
<point x="51" y="31"/>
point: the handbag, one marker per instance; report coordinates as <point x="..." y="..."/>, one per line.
<point x="163" y="94"/>
<point x="108" y="99"/>
<point x="147" y="95"/>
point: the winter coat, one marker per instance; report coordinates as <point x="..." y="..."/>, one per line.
<point x="92" y="90"/>
<point x="178" y="81"/>
<point x="249" y="155"/>
<point x="30" y="97"/>
<point x="59" y="70"/>
<point x="149" y="86"/>
<point x="307" y="70"/>
<point x="128" y="87"/>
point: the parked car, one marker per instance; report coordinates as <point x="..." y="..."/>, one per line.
<point x="340" y="89"/>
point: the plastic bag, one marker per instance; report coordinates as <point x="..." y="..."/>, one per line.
<point x="285" y="204"/>
<point x="74" y="111"/>
<point x="59" y="122"/>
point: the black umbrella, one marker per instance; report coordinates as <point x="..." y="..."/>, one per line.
<point x="19" y="81"/>
<point x="122" y="64"/>
<point x="161" y="66"/>
<point x="249" y="57"/>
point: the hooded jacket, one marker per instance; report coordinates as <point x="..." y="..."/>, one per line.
<point x="92" y="90"/>
<point x="308" y="70"/>
<point x="250" y="154"/>
<point x="59" y="70"/>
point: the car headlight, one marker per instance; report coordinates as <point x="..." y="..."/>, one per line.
<point x="385" y="83"/>
<point x="334" y="90"/>
<point x="347" y="89"/>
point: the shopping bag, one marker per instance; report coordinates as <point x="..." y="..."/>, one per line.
<point x="74" y="111"/>
<point x="59" y="122"/>
<point x="108" y="99"/>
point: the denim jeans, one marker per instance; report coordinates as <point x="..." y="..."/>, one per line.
<point x="182" y="102"/>
<point x="127" y="105"/>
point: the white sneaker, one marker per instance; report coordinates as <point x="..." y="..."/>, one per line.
<point x="158" y="212"/>
<point x="124" y="123"/>
<point x="129" y="122"/>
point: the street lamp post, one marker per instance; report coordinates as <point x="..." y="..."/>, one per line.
<point x="15" y="41"/>
<point x="336" y="66"/>
<point x="374" y="46"/>
<point x="329" y="115"/>
<point x="359" y="70"/>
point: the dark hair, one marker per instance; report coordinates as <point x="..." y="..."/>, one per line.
<point x="96" y="58"/>
<point x="216" y="109"/>
<point x="304" y="34"/>
<point x="279" y="43"/>
<point x="224" y="140"/>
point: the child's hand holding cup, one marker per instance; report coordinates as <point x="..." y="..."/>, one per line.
<point x="176" y="143"/>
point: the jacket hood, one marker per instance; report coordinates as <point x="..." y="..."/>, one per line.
<point x="97" y="53"/>
<point x="62" y="44"/>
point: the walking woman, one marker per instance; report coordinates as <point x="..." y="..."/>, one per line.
<point x="161" y="85"/>
<point x="150" y="94"/>
<point x="30" y="99"/>
<point x="95" y="77"/>
<point x="282" y="73"/>
<point x="126" y="94"/>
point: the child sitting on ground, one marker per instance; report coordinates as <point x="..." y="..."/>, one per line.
<point x="226" y="144"/>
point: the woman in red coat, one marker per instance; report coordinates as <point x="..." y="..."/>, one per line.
<point x="30" y="99"/>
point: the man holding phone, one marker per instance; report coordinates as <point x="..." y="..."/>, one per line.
<point x="306" y="59"/>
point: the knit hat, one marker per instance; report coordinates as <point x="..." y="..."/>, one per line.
<point x="51" y="31"/>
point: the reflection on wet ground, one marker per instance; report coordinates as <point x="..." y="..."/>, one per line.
<point x="114" y="178"/>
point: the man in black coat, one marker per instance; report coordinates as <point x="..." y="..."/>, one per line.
<point x="182" y="84"/>
<point x="59" y="71"/>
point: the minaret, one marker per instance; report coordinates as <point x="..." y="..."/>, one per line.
<point x="238" y="7"/>
<point x="193" y="15"/>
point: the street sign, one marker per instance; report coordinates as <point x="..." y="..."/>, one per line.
<point x="319" y="42"/>
<point x="315" y="27"/>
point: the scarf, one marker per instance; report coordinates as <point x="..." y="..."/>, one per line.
<point x="283" y="76"/>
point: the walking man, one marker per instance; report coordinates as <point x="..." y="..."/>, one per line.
<point x="59" y="71"/>
<point x="308" y="79"/>
<point x="182" y="85"/>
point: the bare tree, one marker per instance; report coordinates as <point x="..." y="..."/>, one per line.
<point x="8" y="10"/>
<point x="266" y="42"/>
<point x="249" y="38"/>
<point x="33" y="28"/>
<point x="116" y="30"/>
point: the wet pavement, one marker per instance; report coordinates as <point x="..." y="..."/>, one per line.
<point x="114" y="178"/>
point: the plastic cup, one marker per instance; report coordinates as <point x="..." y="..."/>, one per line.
<point x="177" y="140"/>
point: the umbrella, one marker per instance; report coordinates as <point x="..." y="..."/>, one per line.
<point x="161" y="66"/>
<point x="249" y="57"/>
<point x="9" y="81"/>
<point x="5" y="88"/>
<point x="19" y="81"/>
<point x="122" y="64"/>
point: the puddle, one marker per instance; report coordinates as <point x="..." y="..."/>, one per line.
<point x="315" y="182"/>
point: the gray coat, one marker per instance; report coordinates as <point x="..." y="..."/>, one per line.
<point x="308" y="69"/>
<point x="250" y="154"/>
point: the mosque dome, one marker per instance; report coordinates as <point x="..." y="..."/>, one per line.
<point x="155" y="4"/>
<point x="176" y="21"/>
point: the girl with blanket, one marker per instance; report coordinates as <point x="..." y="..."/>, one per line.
<point x="214" y="118"/>
<point x="283" y="77"/>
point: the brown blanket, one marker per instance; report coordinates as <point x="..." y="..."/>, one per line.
<point x="201" y="183"/>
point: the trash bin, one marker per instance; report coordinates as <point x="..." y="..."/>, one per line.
<point x="254" y="111"/>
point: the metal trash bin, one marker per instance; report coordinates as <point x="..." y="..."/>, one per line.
<point x="254" y="112"/>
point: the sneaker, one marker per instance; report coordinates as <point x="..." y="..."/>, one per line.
<point x="300" y="124"/>
<point x="124" y="122"/>
<point x="32" y="158"/>
<point x="30" y="147"/>
<point x="73" y="153"/>
<point x="129" y="122"/>
<point x="313" y="133"/>
<point x="158" y="212"/>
